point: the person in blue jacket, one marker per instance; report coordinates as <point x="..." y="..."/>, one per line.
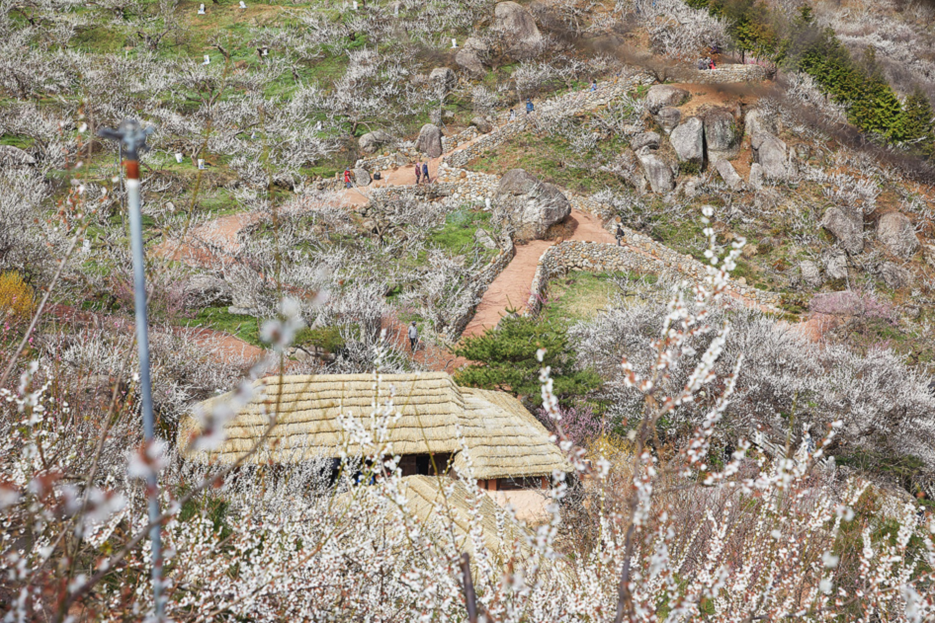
<point x="529" y="106"/>
<point x="425" y="172"/>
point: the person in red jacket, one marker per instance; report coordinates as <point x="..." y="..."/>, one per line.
<point x="347" y="178"/>
<point x="418" y="173"/>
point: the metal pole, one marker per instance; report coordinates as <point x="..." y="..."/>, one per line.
<point x="132" y="139"/>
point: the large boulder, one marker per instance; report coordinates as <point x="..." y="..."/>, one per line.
<point x="205" y="291"/>
<point x="895" y="231"/>
<point x="372" y="141"/>
<point x="811" y="274"/>
<point x="756" y="177"/>
<point x="756" y="121"/>
<point x="536" y="205"/>
<point x="14" y="157"/>
<point x="650" y="140"/>
<point x="483" y="126"/>
<point x="443" y="78"/>
<point x="430" y="140"/>
<point x="729" y="174"/>
<point x="472" y="55"/>
<point x="668" y="118"/>
<point x="720" y="133"/>
<point x="361" y="177"/>
<point x="517" y="28"/>
<point x="657" y="172"/>
<point x="844" y="229"/>
<point x="688" y="140"/>
<point x="770" y="153"/>
<point x="661" y="95"/>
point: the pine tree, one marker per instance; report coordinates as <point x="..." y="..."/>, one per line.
<point x="505" y="359"/>
<point x="916" y="125"/>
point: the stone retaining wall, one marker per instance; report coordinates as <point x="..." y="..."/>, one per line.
<point x="481" y="282"/>
<point x="646" y="256"/>
<point x="725" y="74"/>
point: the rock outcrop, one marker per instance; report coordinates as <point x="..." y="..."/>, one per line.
<point x="473" y="55"/>
<point x="14" y="157"/>
<point x="372" y="141"/>
<point x="517" y="29"/>
<point x="771" y="154"/>
<point x="835" y="264"/>
<point x="810" y="274"/>
<point x="688" y="140"/>
<point x="730" y="176"/>
<point x="483" y="126"/>
<point x="650" y="140"/>
<point x="756" y="121"/>
<point x="662" y="95"/>
<point x="430" y="140"/>
<point x="443" y="78"/>
<point x="844" y="229"/>
<point x="206" y="290"/>
<point x="668" y="118"/>
<point x="361" y="177"/>
<point x="535" y="205"/>
<point x="720" y="133"/>
<point x="896" y="232"/>
<point x="657" y="173"/>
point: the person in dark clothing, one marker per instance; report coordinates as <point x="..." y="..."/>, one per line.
<point x="413" y="336"/>
<point x="529" y="106"/>
<point x="418" y="173"/>
<point x="619" y="234"/>
<point x="425" y="172"/>
<point x="512" y="115"/>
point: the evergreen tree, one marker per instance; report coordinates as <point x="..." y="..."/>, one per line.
<point x="916" y="125"/>
<point x="505" y="359"/>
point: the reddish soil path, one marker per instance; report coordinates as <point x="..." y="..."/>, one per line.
<point x="511" y="288"/>
<point x="223" y="347"/>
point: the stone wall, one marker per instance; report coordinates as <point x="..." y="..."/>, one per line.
<point x="644" y="255"/>
<point x="724" y="74"/>
<point x="480" y="283"/>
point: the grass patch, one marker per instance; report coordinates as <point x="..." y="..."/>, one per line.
<point x="247" y="328"/>
<point x="582" y="295"/>
<point x="457" y="235"/>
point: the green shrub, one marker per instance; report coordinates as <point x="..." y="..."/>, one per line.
<point x="505" y="359"/>
<point x="328" y="339"/>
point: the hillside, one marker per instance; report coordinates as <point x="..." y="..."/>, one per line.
<point x="691" y="240"/>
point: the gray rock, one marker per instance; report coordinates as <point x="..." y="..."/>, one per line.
<point x="730" y="176"/>
<point x="893" y="275"/>
<point x="517" y="29"/>
<point x="835" y="264"/>
<point x="361" y="177"/>
<point x="473" y="55"/>
<point x="372" y="141"/>
<point x="430" y="140"/>
<point x="657" y="172"/>
<point x="770" y="153"/>
<point x="444" y="78"/>
<point x="895" y="231"/>
<point x="668" y="118"/>
<point x="688" y="140"/>
<point x="661" y="95"/>
<point x="482" y="124"/>
<point x="645" y="139"/>
<point x="757" y="177"/>
<point x="689" y="187"/>
<point x="14" y="157"/>
<point x="844" y="229"/>
<point x="811" y="274"/>
<point x="536" y="205"/>
<point x="720" y="133"/>
<point x="206" y="290"/>
<point x="755" y="121"/>
<point x="484" y="239"/>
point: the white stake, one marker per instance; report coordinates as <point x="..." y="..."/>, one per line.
<point x="355" y="5"/>
<point x="487" y="204"/>
<point x="201" y="10"/>
<point x="396" y="10"/>
<point x="207" y="60"/>
<point x="179" y="157"/>
<point x="454" y="43"/>
<point x="201" y="164"/>
<point x="243" y="5"/>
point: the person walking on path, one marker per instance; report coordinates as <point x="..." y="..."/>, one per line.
<point x="529" y="106"/>
<point x="413" y="336"/>
<point x="593" y="86"/>
<point x="512" y="115"/>
<point x="347" y="178"/>
<point x="425" y="172"/>
<point x="418" y="173"/>
<point x="619" y="234"/>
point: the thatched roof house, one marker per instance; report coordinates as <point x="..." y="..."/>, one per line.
<point x="506" y="444"/>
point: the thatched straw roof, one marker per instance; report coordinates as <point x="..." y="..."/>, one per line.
<point x="503" y="438"/>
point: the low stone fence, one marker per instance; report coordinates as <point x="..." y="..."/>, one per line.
<point x="649" y="257"/>
<point x="725" y="74"/>
<point x="480" y="283"/>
